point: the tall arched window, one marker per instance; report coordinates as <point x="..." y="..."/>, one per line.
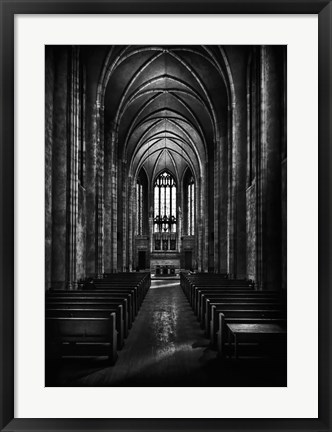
<point x="165" y="203"/>
<point x="139" y="201"/>
<point x="191" y="206"/>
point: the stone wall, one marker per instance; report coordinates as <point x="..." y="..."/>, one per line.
<point x="284" y="223"/>
<point x="49" y="90"/>
<point x="81" y="234"/>
<point x="251" y="232"/>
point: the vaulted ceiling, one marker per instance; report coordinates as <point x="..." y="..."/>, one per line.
<point x="166" y="103"/>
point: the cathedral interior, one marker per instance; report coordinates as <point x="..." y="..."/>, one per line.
<point x="165" y="163"/>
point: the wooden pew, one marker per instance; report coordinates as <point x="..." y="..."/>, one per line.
<point x="141" y="286"/>
<point x="238" y="312"/>
<point x="106" y="305"/>
<point x="206" y="299"/>
<point x="192" y="293"/>
<point x="233" y="319"/>
<point x="219" y="301"/>
<point x="108" y="290"/>
<point x="190" y="290"/>
<point x="135" y="299"/>
<point x="125" y="299"/>
<point x="196" y="291"/>
<point x="254" y="332"/>
<point x="207" y="279"/>
<point x="139" y="291"/>
<point x="203" y="294"/>
<point x="73" y="336"/>
<point x="87" y="312"/>
<point x="223" y="306"/>
<point x="94" y="320"/>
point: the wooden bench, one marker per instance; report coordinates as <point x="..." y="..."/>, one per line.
<point x="196" y="291"/>
<point x="238" y="312"/>
<point x="139" y="291"/>
<point x="190" y="291"/>
<point x="203" y="295"/>
<point x="94" y="320"/>
<point x="69" y="301"/>
<point x="72" y="336"/>
<point x="225" y="306"/>
<point x="86" y="312"/>
<point x="141" y="288"/>
<point x="99" y="296"/>
<point x="218" y="301"/>
<point x="257" y="332"/>
<point x="188" y="281"/>
<point x="125" y="299"/>
<point x="136" y="298"/>
<point x="206" y="299"/>
<point x="106" y="305"/>
<point x="222" y="332"/>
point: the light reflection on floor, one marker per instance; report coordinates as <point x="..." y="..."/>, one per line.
<point x="163" y="284"/>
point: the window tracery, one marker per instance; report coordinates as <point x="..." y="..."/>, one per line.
<point x="165" y="204"/>
<point x="191" y="206"/>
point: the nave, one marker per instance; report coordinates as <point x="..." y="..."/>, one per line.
<point x="167" y="347"/>
<point x="163" y="161"/>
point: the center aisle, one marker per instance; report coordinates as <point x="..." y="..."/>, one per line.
<point x="165" y="346"/>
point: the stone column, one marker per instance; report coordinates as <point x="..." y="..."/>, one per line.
<point x="49" y="92"/>
<point x="131" y="215"/>
<point x="124" y="191"/>
<point x="108" y="203"/>
<point x="150" y="206"/>
<point x="59" y="169"/>
<point x="239" y="160"/>
<point x="114" y="199"/>
<point x="133" y="228"/>
<point x="284" y="170"/>
<point x="91" y="179"/>
<point x="200" y="212"/>
<point x="223" y="198"/>
<point x="205" y="219"/>
<point x="100" y="193"/>
<point x="216" y="177"/>
<point x="271" y="137"/>
<point x="253" y="127"/>
<point x="151" y="229"/>
<point x="72" y="195"/>
<point x="179" y="216"/>
<point x="231" y="202"/>
<point x="237" y="171"/>
<point x="180" y="229"/>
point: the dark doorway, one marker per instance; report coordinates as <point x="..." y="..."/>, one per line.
<point x="188" y="260"/>
<point x="142" y="260"/>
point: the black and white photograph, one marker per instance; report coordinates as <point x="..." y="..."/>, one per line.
<point x="166" y="216"/>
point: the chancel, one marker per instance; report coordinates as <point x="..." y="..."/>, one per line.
<point x="165" y="215"/>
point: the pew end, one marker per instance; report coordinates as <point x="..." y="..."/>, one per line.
<point x="72" y="336"/>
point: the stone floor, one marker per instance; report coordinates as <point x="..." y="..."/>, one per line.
<point x="166" y="347"/>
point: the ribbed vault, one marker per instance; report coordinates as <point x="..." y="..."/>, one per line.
<point x="166" y="104"/>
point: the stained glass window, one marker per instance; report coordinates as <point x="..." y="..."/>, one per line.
<point x="191" y="207"/>
<point x="165" y="203"/>
<point x="139" y="212"/>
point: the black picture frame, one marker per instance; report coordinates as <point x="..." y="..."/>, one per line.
<point x="8" y="9"/>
